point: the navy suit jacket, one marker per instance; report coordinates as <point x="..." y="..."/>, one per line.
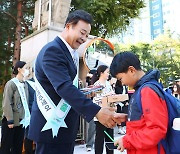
<point x="55" y="71"/>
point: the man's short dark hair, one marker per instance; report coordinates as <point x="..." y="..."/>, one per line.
<point x="77" y="15"/>
<point x="122" y="61"/>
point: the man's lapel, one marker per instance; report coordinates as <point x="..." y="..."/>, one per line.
<point x="66" y="51"/>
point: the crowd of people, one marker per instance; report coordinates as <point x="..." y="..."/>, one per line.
<point x="46" y="109"/>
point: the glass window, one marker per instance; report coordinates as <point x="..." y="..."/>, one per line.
<point x="155" y="15"/>
<point x="155" y="7"/>
<point x="153" y="1"/>
<point x="157" y="31"/>
<point x="156" y="23"/>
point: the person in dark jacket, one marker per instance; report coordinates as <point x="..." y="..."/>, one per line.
<point x="59" y="103"/>
<point x="28" y="144"/>
<point x="144" y="131"/>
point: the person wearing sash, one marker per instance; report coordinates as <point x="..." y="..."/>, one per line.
<point x="59" y="103"/>
<point x="28" y="144"/>
<point x="15" y="94"/>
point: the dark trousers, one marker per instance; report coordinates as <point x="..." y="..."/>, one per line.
<point x="100" y="136"/>
<point x="28" y="145"/>
<point x="12" y="139"/>
<point x="51" y="148"/>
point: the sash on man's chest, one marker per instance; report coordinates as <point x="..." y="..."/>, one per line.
<point x="54" y="115"/>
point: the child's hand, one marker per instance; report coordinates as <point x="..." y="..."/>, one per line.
<point x="120" y="117"/>
<point x="119" y="144"/>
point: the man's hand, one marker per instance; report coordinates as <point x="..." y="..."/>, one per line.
<point x="119" y="144"/>
<point x="11" y="125"/>
<point x="120" y="117"/>
<point x="105" y="117"/>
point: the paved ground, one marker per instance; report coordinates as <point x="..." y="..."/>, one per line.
<point x="81" y="149"/>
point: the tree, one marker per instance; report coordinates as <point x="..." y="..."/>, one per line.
<point x="24" y="12"/>
<point x="110" y="16"/>
<point x="162" y="54"/>
<point x="17" y="46"/>
<point x="142" y="50"/>
<point x="7" y="28"/>
<point x="16" y="18"/>
<point x="167" y="53"/>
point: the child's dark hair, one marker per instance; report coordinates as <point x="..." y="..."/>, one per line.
<point x="122" y="61"/>
<point x="19" y="64"/>
<point x="97" y="74"/>
<point x="77" y="15"/>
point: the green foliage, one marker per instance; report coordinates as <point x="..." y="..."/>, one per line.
<point x="142" y="50"/>
<point x="104" y="48"/>
<point x="110" y="16"/>
<point x="162" y="54"/>
<point x="7" y="28"/>
<point x="28" y="15"/>
<point x="8" y="15"/>
<point x="1" y="96"/>
<point x="167" y="53"/>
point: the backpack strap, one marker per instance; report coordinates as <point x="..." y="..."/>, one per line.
<point x="158" y="88"/>
<point x="154" y="85"/>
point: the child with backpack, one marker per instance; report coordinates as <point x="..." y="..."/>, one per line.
<point x="146" y="127"/>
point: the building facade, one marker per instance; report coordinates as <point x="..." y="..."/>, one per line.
<point x="158" y="17"/>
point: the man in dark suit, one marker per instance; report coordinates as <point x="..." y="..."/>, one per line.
<point x="55" y="70"/>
